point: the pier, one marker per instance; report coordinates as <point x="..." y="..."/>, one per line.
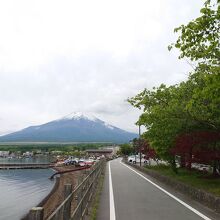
<point x="7" y="166"/>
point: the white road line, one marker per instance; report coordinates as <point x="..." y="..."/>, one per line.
<point x="169" y="194"/>
<point x="111" y="195"/>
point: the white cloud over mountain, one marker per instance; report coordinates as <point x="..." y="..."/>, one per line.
<point x="57" y="57"/>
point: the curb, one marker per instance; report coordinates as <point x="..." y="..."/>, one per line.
<point x="199" y="195"/>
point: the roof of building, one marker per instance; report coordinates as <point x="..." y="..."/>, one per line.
<point x="99" y="150"/>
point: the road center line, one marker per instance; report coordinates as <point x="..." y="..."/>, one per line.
<point x="169" y="194"/>
<point x="111" y="195"/>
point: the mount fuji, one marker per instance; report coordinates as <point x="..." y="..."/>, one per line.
<point x="75" y="127"/>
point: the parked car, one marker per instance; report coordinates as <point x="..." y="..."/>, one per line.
<point x="89" y="162"/>
<point x="81" y="164"/>
<point x="92" y="158"/>
<point x="66" y="162"/>
<point x="131" y="159"/>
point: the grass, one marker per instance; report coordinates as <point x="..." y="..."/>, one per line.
<point x="95" y="204"/>
<point x="194" y="178"/>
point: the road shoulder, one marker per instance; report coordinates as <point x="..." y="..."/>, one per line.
<point x="103" y="209"/>
<point x="185" y="198"/>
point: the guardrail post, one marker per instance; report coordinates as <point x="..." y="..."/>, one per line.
<point x="82" y="194"/>
<point x="67" y="206"/>
<point x="36" y="213"/>
<point x="80" y="178"/>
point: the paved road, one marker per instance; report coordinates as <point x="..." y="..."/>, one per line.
<point x="128" y="195"/>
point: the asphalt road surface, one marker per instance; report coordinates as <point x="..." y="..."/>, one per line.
<point x="129" y="194"/>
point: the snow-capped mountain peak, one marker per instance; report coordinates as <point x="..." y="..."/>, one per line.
<point x="80" y="115"/>
<point x="108" y="126"/>
<point x="75" y="127"/>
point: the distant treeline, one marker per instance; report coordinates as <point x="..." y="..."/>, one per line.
<point x="52" y="147"/>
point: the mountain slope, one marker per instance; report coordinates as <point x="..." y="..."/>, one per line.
<point x="76" y="127"/>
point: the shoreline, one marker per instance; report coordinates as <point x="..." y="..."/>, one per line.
<point x="55" y="197"/>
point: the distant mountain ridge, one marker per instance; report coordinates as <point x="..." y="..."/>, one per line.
<point x="75" y="127"/>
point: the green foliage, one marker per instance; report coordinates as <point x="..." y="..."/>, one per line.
<point x="96" y="202"/>
<point x="170" y="111"/>
<point x="204" y="105"/>
<point x="163" y="116"/>
<point x="126" y="149"/>
<point x="193" y="104"/>
<point x="51" y="147"/>
<point x="199" y="39"/>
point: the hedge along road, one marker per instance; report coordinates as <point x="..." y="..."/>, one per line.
<point x="131" y="195"/>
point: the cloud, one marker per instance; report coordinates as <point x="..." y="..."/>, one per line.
<point x="59" y="57"/>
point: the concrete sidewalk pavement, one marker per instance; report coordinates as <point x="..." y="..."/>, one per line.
<point x="135" y="197"/>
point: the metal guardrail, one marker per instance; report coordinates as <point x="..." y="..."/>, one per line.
<point x="76" y="200"/>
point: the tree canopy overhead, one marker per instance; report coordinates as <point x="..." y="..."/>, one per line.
<point x="192" y="105"/>
<point x="199" y="39"/>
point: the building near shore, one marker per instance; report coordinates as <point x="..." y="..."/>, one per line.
<point x="99" y="152"/>
<point x="28" y="154"/>
<point x="4" y="153"/>
<point x="109" y="151"/>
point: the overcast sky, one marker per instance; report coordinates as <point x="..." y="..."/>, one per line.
<point x="57" y="57"/>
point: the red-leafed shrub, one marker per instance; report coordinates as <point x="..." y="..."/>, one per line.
<point x="143" y="146"/>
<point x="147" y="150"/>
<point x="200" y="147"/>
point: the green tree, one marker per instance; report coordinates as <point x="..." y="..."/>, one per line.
<point x="199" y="39"/>
<point x="191" y="105"/>
<point x="126" y="149"/>
<point x="204" y="105"/>
<point x="165" y="115"/>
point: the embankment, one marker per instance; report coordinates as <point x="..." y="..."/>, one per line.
<point x="56" y="196"/>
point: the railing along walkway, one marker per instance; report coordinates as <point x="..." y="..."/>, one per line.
<point x="81" y="196"/>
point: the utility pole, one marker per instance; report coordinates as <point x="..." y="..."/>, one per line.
<point x="140" y="143"/>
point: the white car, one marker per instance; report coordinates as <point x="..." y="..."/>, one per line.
<point x="131" y="159"/>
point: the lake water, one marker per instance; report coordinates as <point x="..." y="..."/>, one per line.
<point x="20" y="190"/>
<point x="38" y="159"/>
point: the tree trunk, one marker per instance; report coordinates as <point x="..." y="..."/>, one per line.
<point x="189" y="162"/>
<point x="215" y="163"/>
<point x="182" y="161"/>
<point x="173" y="165"/>
<point x="214" y="172"/>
